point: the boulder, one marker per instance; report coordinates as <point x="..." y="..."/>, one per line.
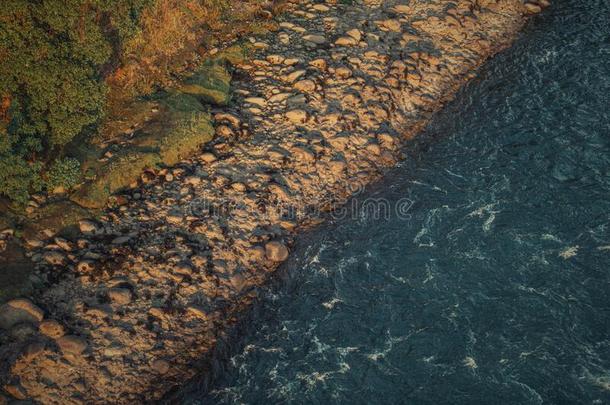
<point x="18" y="311"/>
<point x="71" y="344"/>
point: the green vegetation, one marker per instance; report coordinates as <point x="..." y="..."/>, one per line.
<point x="64" y="173"/>
<point x="73" y="73"/>
<point x="51" y="56"/>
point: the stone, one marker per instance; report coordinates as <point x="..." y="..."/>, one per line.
<point x="54" y="258"/>
<point x="532" y="8"/>
<point x="192" y="180"/>
<point x="208" y="157"/>
<point x="224" y="130"/>
<point x="18" y="311"/>
<point x="121" y="240"/>
<point x="85" y="266"/>
<point x="71" y="344"/>
<point x="296" y="116"/>
<point x="259" y="101"/>
<point x="319" y="64"/>
<point x="119" y="296"/>
<point x="275" y="59"/>
<point x="22" y="331"/>
<point x="183" y="269"/>
<point x="52" y="329"/>
<point x="337" y="167"/>
<point x="160" y="366"/>
<point x="343" y="72"/>
<point x="257" y="254"/>
<point x="276" y="251"/>
<point x="355" y="34"/>
<point x="197" y="312"/>
<point x="32" y="351"/>
<point x="16" y="391"/>
<point x="346" y="41"/>
<point x="63" y="244"/>
<point x="241" y="187"/>
<point x="292" y="77"/>
<point x="306" y="86"/>
<point x="230" y="118"/>
<point x="291" y="61"/>
<point x="315" y="39"/>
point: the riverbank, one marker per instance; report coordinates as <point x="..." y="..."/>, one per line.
<point x="137" y="298"/>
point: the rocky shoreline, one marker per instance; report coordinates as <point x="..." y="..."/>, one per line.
<point x="139" y="297"/>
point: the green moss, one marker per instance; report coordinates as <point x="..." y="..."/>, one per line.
<point x="59" y="216"/>
<point x="235" y="54"/>
<point x="211" y="83"/>
<point x="123" y="169"/>
<point x="64" y="173"/>
<point x="189" y="131"/>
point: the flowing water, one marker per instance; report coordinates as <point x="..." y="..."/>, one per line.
<point x="493" y="283"/>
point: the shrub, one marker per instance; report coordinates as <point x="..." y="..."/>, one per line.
<point x="51" y="56"/>
<point x="63" y="173"/>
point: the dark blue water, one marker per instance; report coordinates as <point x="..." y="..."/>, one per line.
<point x="496" y="289"/>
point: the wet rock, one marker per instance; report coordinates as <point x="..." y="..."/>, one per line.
<point x="19" y="311"/>
<point x="276" y="251"/>
<point x="52" y="329"/>
<point x="71" y="344"/>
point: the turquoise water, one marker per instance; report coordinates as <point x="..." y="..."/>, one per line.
<point x="494" y="288"/>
